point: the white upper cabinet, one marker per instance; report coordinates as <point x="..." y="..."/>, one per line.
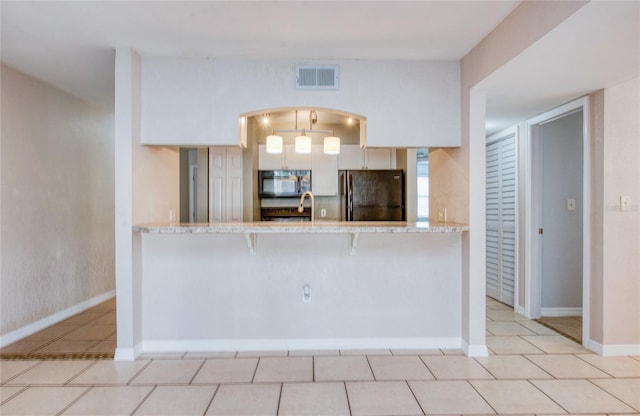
<point x="296" y="161"/>
<point x="353" y="157"/>
<point x="288" y="159"/>
<point x="378" y="159"/>
<point x="269" y="161"/>
<point x="324" y="172"/>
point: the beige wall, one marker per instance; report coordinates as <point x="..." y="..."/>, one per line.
<point x="448" y="168"/>
<point x="57" y="201"/>
<point x="596" y="101"/>
<point x="156" y="183"/>
<point x="615" y="287"/>
<point x="621" y="230"/>
<point x="457" y="175"/>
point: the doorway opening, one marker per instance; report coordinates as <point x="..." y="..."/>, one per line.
<point x="557" y="217"/>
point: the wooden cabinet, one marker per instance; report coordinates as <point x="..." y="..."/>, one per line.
<point x="353" y="157"/>
<point x="324" y="172"/>
<point x="225" y="184"/>
<point x="288" y="159"/>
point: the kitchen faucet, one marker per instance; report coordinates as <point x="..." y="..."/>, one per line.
<point x="301" y="206"/>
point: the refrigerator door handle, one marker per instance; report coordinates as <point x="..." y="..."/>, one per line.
<point x="349" y="197"/>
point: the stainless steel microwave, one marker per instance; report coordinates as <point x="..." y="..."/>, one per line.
<point x="283" y="183"/>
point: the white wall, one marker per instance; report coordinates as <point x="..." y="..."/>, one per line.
<point x="198" y="101"/>
<point x="57" y="202"/>
<point x="205" y="292"/>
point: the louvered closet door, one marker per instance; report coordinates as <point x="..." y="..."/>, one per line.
<point x="501" y="219"/>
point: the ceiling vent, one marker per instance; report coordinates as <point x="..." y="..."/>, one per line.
<point x="317" y="77"/>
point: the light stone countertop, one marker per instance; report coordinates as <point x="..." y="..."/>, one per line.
<point x="302" y="227"/>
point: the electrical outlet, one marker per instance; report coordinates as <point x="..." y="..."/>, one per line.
<point x="442" y="215"/>
<point x="571" y="204"/>
<point x="306" y="294"/>
<point x="625" y="203"/>
<point x="323" y="212"/>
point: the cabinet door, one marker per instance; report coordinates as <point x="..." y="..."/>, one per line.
<point x="296" y="161"/>
<point x="351" y="157"/>
<point x="378" y="158"/>
<point x="269" y="161"/>
<point x="225" y="184"/>
<point x="234" y="184"/>
<point x="217" y="180"/>
<point x="324" y="172"/>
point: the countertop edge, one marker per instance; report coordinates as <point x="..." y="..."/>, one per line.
<point x="299" y="228"/>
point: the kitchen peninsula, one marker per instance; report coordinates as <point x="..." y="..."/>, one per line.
<point x="293" y="286"/>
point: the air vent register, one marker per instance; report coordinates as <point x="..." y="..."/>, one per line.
<point x="317" y="77"/>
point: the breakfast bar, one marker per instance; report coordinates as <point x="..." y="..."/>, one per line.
<point x="295" y="286"/>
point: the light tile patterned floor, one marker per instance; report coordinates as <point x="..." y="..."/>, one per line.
<point x="91" y="334"/>
<point x="530" y="371"/>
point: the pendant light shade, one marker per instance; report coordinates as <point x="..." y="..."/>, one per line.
<point x="332" y="145"/>
<point x="274" y="144"/>
<point x="303" y="144"/>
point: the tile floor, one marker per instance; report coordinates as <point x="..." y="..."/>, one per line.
<point x="570" y="326"/>
<point x="531" y="371"/>
<point x="90" y="334"/>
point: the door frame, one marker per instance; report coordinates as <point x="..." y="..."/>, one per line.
<point x="533" y="213"/>
<point x="496" y="137"/>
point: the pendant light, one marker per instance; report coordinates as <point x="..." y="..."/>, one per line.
<point x="331" y="145"/>
<point x="274" y="144"/>
<point x="303" y="143"/>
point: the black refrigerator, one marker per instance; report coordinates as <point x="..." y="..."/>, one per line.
<point x="373" y="195"/>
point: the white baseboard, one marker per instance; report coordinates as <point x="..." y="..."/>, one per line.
<point x="613" y="350"/>
<point x="475" y="350"/>
<point x="522" y="311"/>
<point x="25" y="331"/>
<point x="127" y="353"/>
<point x="298" y="344"/>
<point x="556" y="312"/>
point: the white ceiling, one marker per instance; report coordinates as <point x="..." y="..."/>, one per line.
<point x="595" y="48"/>
<point x="70" y="44"/>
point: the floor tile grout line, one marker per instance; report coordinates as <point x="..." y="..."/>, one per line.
<point x="480" y="394"/>
<point x="279" y="399"/>
<point x="346" y="393"/>
<point x="197" y="371"/>
<point x="68" y="406"/>
<point x="144" y="400"/>
<point x="81" y="372"/>
<point x="255" y="371"/>
<point x="593" y="365"/>
<point x="373" y="374"/>
<point x="215" y="392"/>
<point x="536" y="364"/>
<point x="67" y="381"/>
<point x="475" y="359"/>
<point x="6" y="399"/>
<point x="415" y="397"/>
<point x="550" y="398"/>
<point x="611" y="394"/>
<point x="144" y="367"/>
<point x="426" y="365"/>
<point x="4" y="383"/>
